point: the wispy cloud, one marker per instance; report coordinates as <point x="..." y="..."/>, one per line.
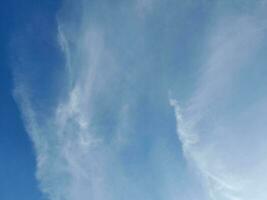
<point x="109" y="132"/>
<point x="79" y="143"/>
<point x="70" y="155"/>
<point x="220" y="140"/>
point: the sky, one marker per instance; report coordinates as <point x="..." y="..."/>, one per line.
<point x="136" y="99"/>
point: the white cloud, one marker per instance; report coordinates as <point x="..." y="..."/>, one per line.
<point x="227" y="146"/>
<point x="77" y="158"/>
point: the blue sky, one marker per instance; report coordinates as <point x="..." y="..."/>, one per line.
<point x="138" y="99"/>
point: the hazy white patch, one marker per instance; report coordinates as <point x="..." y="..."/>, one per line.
<point x="124" y="129"/>
<point x="145" y="7"/>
